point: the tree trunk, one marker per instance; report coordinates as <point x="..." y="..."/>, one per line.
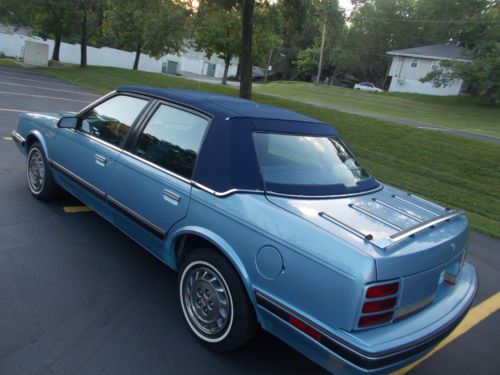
<point x="246" y="49"/>
<point x="83" y="40"/>
<point x="227" y="62"/>
<point x="137" y="56"/>
<point x="57" y="46"/>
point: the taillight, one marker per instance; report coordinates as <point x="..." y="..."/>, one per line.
<point x="382" y="290"/>
<point x="378" y="307"/>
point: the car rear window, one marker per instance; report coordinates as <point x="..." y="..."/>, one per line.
<point x="309" y="165"/>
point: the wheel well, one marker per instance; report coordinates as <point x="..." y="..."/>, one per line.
<point x="30" y="140"/>
<point x="188" y="242"/>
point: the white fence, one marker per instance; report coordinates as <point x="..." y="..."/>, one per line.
<point x="12" y="45"/>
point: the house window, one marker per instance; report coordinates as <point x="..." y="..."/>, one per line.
<point x="414" y="62"/>
<point x="434" y="66"/>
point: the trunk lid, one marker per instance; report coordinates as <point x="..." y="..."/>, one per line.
<point x="379" y="215"/>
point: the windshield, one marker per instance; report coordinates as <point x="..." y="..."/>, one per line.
<point x="309" y="165"/>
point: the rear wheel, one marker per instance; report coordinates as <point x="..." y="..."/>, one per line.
<point x="214" y="301"/>
<point x="40" y="179"/>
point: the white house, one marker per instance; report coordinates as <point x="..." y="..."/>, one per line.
<point x="186" y="61"/>
<point x="411" y="64"/>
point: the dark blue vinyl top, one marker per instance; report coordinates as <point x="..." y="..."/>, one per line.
<point x="220" y="105"/>
<point x="227" y="159"/>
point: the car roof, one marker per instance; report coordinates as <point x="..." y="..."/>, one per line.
<point x="227" y="159"/>
<point x="221" y="105"/>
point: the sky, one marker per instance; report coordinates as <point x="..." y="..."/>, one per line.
<point x="346" y="4"/>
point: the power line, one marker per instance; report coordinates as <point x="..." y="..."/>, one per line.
<point x="425" y="21"/>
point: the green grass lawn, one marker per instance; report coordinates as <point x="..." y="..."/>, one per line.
<point x="9" y="62"/>
<point x="455" y="171"/>
<point x="456" y="112"/>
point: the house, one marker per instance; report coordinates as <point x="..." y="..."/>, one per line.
<point x="412" y="64"/>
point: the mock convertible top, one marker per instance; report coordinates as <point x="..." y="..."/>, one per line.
<point x="227" y="159"/>
<point x="220" y="105"/>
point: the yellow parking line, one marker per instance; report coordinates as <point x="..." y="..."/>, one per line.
<point x="10" y="110"/>
<point x="7" y="138"/>
<point x="77" y="209"/>
<point x="43" y="96"/>
<point x="48" y="88"/>
<point x="474" y="317"/>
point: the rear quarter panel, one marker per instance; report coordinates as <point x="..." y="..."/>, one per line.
<point x="322" y="276"/>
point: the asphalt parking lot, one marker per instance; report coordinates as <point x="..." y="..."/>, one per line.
<point x="79" y="297"/>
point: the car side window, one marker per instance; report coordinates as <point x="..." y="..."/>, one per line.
<point x="112" y="119"/>
<point x="172" y="139"/>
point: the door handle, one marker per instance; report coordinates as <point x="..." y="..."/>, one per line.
<point x="101" y="160"/>
<point x="171" y="197"/>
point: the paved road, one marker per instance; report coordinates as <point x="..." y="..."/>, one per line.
<point x="415" y="124"/>
<point x="79" y="297"/>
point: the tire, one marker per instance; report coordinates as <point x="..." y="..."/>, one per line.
<point x="206" y="270"/>
<point x="40" y="179"/>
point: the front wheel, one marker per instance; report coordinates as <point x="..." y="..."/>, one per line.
<point x="214" y="301"/>
<point x="40" y="179"/>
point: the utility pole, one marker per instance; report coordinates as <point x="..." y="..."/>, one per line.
<point x="268" y="64"/>
<point x="320" y="66"/>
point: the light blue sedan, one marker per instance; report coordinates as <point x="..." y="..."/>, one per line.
<point x="269" y="219"/>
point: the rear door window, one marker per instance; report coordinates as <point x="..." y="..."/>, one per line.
<point x="172" y="139"/>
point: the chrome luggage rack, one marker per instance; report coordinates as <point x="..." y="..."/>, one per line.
<point x="402" y="233"/>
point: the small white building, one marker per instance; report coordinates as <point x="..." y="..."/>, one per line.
<point x="412" y="64"/>
<point x="36" y="51"/>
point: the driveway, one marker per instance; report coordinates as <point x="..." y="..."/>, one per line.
<point x="77" y="296"/>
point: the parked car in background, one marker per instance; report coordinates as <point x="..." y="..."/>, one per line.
<point x="367" y="86"/>
<point x="269" y="219"/>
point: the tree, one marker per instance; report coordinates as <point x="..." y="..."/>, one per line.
<point x="163" y="32"/>
<point x="308" y="61"/>
<point x="480" y="38"/>
<point x="218" y="33"/>
<point x="299" y="29"/>
<point x="246" y="67"/>
<point x="52" y="18"/>
<point x="266" y="35"/>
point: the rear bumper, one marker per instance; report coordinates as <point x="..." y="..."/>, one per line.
<point x="379" y="350"/>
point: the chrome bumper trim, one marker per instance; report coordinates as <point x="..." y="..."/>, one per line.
<point x="18" y="138"/>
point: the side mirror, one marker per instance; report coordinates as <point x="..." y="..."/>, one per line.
<point x="68" y="122"/>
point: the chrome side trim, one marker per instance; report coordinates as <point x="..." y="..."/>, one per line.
<point x="326" y="196"/>
<point x="354" y="231"/>
<point x="407" y="214"/>
<point x="101" y="194"/>
<point x="375" y="217"/>
<point x="224" y="193"/>
<point x="95" y="102"/>
<point x="248" y="191"/>
<point x="18" y="138"/>
<point x="160" y="233"/>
